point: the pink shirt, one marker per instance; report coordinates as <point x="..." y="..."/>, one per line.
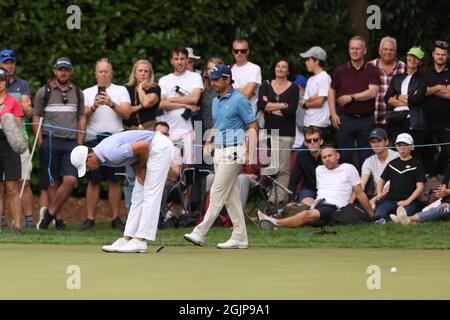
<point x="10" y="105"/>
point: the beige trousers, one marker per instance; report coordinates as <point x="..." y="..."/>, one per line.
<point x="225" y="192"/>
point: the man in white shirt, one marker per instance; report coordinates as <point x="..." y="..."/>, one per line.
<point x="315" y="102"/>
<point x="375" y="164"/>
<point x="106" y="104"/>
<point x="246" y="75"/>
<point x="335" y="184"/>
<point x="180" y="94"/>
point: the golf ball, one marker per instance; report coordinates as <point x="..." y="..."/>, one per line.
<point x="393" y="269"/>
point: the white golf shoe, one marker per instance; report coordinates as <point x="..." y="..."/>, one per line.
<point x="194" y="238"/>
<point x="233" y="244"/>
<point x="133" y="246"/>
<point x="116" y="245"/>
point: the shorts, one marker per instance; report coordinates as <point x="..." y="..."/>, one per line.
<point x="10" y="167"/>
<point x="326" y="211"/>
<point x="306" y="193"/>
<point x="25" y="158"/>
<point x="56" y="153"/>
<point x="103" y="173"/>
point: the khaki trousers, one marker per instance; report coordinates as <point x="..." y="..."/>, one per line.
<point x="225" y="192"/>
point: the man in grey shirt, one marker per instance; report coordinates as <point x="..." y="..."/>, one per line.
<point x="61" y="105"/>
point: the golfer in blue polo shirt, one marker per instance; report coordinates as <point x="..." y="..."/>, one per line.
<point x="149" y="154"/>
<point x="232" y="116"/>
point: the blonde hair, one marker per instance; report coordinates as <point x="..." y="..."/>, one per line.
<point x="216" y="61"/>
<point x="148" y="83"/>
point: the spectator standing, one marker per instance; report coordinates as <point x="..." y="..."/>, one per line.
<point x="192" y="58"/>
<point x="61" y="105"/>
<point x="106" y="105"/>
<point x="247" y="75"/>
<point x="278" y="99"/>
<point x="10" y="167"/>
<point x="315" y="102"/>
<point x="388" y="65"/>
<point x="355" y="84"/>
<point x="19" y="89"/>
<point x="437" y="108"/>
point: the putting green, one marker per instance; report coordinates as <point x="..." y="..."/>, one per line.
<point x="40" y="272"/>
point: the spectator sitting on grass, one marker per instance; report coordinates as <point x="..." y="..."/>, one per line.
<point x="438" y="210"/>
<point x="335" y="183"/>
<point x="375" y="164"/>
<point x="407" y="178"/>
<point x="305" y="169"/>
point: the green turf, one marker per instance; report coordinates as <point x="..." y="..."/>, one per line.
<point x="434" y="235"/>
<point x="188" y="272"/>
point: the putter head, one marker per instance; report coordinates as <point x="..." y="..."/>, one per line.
<point x="159" y="249"/>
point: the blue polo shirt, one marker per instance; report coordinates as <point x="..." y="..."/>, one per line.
<point x="231" y="114"/>
<point x="116" y="151"/>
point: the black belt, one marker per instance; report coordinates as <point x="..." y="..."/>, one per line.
<point x="359" y="115"/>
<point x="222" y="146"/>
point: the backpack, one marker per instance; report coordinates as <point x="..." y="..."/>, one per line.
<point x="48" y="92"/>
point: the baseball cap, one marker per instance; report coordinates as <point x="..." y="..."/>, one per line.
<point x="7" y="54"/>
<point x="316" y="52"/>
<point x="416" y="52"/>
<point x="78" y="158"/>
<point x="191" y="54"/>
<point x="405" y="138"/>
<point x="3" y="74"/>
<point x="220" y="71"/>
<point x="63" y="62"/>
<point x="378" y="133"/>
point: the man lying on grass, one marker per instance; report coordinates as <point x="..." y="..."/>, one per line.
<point x="335" y="184"/>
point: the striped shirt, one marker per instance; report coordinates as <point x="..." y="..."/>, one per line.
<point x="385" y="79"/>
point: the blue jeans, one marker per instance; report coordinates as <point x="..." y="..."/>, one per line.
<point x="437" y="213"/>
<point x="386" y="207"/>
<point x="351" y="130"/>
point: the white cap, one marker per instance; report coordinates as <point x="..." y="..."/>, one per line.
<point x="405" y="138"/>
<point x="78" y="158"/>
<point x="316" y="52"/>
<point x="191" y="54"/>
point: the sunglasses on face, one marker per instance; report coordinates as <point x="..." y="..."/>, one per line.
<point x="64" y="97"/>
<point x="243" y="51"/>
<point x="312" y="140"/>
<point x="441" y="44"/>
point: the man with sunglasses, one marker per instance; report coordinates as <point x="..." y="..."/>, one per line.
<point x="19" y="89"/>
<point x="437" y="108"/>
<point x="308" y="159"/>
<point x="61" y="105"/>
<point x="246" y="75"/>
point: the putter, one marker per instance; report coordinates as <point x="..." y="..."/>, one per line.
<point x="159" y="249"/>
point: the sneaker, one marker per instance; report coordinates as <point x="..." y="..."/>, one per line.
<point x="44" y="220"/>
<point x="195" y="238"/>
<point x="233" y="244"/>
<point x="133" y="246"/>
<point x="380" y="221"/>
<point x="268" y="225"/>
<point x="60" y="225"/>
<point x="402" y="216"/>
<point x="3" y="223"/>
<point x="116" y="245"/>
<point x="262" y="216"/>
<point x="87" y="224"/>
<point x="41" y="214"/>
<point x="29" y="222"/>
<point x="394" y="218"/>
<point x="116" y="223"/>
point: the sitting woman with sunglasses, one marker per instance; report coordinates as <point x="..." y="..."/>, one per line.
<point x="278" y="99"/>
<point x="10" y="167"/>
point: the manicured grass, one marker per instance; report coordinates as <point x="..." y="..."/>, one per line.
<point x="434" y="235"/>
<point x="41" y="271"/>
